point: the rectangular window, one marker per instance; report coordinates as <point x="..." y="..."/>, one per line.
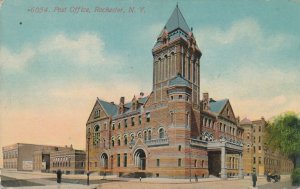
<point x="125" y="123"/>
<point x="118" y="160"/>
<point x="195" y="163"/>
<point x="140" y="119"/>
<point x="113" y="126"/>
<point x="254" y="160"/>
<point x="179" y="147"/>
<point x="97" y="113"/>
<point x="259" y="129"/>
<point x="148" y="116"/>
<point x="125" y="160"/>
<point x="157" y="163"/>
<point x="259" y="160"/>
<point x="259" y="147"/>
<point x="259" y="139"/>
<point x="132" y="121"/>
<point x="179" y="162"/>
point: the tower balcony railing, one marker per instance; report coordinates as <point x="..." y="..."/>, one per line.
<point x="157" y="142"/>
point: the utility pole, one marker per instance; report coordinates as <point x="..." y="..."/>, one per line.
<point x="88" y="159"/>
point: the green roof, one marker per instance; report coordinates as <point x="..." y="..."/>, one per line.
<point x="217" y="106"/>
<point x="179" y="81"/>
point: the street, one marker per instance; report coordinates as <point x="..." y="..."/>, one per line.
<point x="35" y="180"/>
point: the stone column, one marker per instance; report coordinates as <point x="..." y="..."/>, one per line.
<point x="241" y="170"/>
<point x="223" y="163"/>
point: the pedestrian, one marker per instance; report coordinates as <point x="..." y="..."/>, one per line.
<point x="254" y="179"/>
<point x="196" y="178"/>
<point x="58" y="174"/>
<point x="140" y="179"/>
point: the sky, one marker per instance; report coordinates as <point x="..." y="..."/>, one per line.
<point x="56" y="59"/>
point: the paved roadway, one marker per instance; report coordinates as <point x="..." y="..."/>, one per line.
<point x="48" y="180"/>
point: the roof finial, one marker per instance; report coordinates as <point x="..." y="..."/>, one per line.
<point x="177" y="4"/>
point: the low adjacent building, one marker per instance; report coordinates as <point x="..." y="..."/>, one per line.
<point x="68" y="160"/>
<point x="20" y="156"/>
<point x="44" y="158"/>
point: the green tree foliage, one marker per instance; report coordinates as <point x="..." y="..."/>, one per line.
<point x="283" y="135"/>
<point x="296" y="177"/>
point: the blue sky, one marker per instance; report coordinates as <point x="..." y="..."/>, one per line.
<point x="54" y="65"/>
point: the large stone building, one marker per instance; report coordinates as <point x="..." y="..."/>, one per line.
<point x="163" y="134"/>
<point x="43" y="158"/>
<point x="257" y="155"/>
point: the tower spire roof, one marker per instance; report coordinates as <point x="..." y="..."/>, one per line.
<point x="176" y="20"/>
<point x="174" y="28"/>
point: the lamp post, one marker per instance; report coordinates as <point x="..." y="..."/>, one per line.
<point x="88" y="158"/>
<point x="190" y="163"/>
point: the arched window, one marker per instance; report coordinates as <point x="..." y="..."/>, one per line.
<point x="145" y="135"/>
<point x="161" y="133"/>
<point x="149" y="134"/>
<point x="131" y="137"/>
<point x="139" y="135"/>
<point x="119" y="141"/>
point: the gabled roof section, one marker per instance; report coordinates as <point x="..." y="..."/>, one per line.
<point x="217" y="106"/>
<point x="179" y="81"/>
<point x="177" y="21"/>
<point x="109" y="108"/>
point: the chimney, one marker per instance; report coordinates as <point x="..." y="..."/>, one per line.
<point x="112" y="102"/>
<point x="205" y="101"/>
<point x="122" y="100"/>
<point x="141" y="94"/>
<point x="205" y="96"/>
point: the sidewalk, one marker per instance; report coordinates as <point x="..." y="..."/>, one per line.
<point x="57" y="186"/>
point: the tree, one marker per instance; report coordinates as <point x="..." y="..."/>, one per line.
<point x="283" y="135"/>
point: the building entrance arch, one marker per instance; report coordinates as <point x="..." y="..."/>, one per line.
<point x="140" y="159"/>
<point x="104" y="160"/>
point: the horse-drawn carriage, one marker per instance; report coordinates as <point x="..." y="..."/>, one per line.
<point x="275" y="177"/>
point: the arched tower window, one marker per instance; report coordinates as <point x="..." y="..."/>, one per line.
<point x="119" y="141"/>
<point x="145" y="135"/>
<point x="125" y="140"/>
<point x="149" y="134"/>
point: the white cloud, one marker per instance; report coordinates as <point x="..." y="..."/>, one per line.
<point x="83" y="49"/>
<point x="86" y="48"/>
<point x="15" y="61"/>
<point x="244" y="63"/>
